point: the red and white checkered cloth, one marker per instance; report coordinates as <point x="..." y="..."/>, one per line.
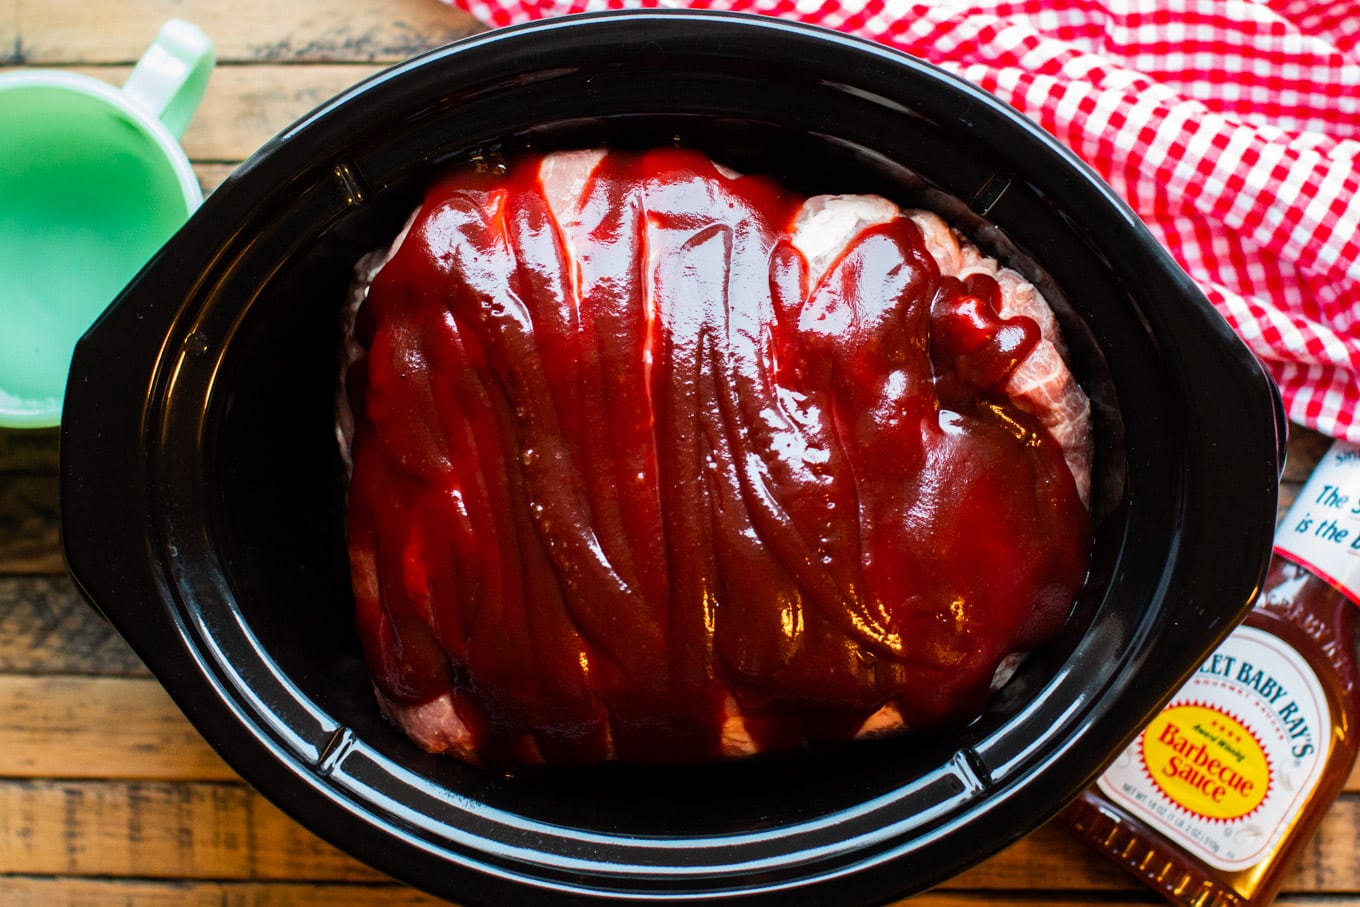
<point x="1231" y="126"/>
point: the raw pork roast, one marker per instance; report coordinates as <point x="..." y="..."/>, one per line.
<point x="654" y="461"/>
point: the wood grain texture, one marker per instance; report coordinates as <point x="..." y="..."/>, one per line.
<point x="99" y="727"/>
<point x="63" y="32"/>
<point x="108" y="797"/>
<point x="111" y="798"/>
<point x="159" y="830"/>
<point x="66" y="892"/>
<point x="29" y="450"/>
<point x="206" y="831"/>
<point x="46" y="627"/>
<point x="42" y="716"/>
<point x="69" y="892"/>
<point x="210" y="176"/>
<point x="30" y="540"/>
<point x="220" y="832"/>
<point x="1328" y="864"/>
<point x="245" y="106"/>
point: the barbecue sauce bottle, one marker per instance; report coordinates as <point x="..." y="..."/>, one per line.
<point x="1213" y="802"/>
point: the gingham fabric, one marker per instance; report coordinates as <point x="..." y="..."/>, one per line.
<point x="1231" y="126"/>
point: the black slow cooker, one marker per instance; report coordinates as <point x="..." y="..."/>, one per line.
<point x="203" y="496"/>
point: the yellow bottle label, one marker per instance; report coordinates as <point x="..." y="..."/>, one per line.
<point x="1206" y="761"/>
<point x="1225" y="767"/>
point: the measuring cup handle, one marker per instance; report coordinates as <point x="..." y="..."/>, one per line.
<point x="168" y="81"/>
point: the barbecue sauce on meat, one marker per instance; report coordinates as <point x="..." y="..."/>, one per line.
<point x="619" y="466"/>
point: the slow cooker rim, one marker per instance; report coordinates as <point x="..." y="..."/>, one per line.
<point x="289" y="142"/>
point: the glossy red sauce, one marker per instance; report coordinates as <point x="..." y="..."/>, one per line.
<point x="602" y="498"/>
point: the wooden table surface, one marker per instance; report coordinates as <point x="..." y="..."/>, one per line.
<point x="107" y="795"/>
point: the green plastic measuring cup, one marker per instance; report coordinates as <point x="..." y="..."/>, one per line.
<point x="92" y="182"/>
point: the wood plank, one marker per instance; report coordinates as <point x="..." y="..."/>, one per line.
<point x="109" y="727"/>
<point x="245" y="106"/>
<point x="1104" y="899"/>
<point x="210" y="176"/>
<point x="1029" y="864"/>
<point x="1306" y="447"/>
<point x="159" y="830"/>
<point x="56" y="32"/>
<point x="61" y="892"/>
<point x="65" y="892"/>
<point x="30" y="541"/>
<point x="46" y="627"/>
<point x="145" y="839"/>
<point x="29" y="512"/>
<point x="28" y="450"/>
<point x="1328" y="863"/>
<point x="114" y="727"/>
<point x="227" y="832"/>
